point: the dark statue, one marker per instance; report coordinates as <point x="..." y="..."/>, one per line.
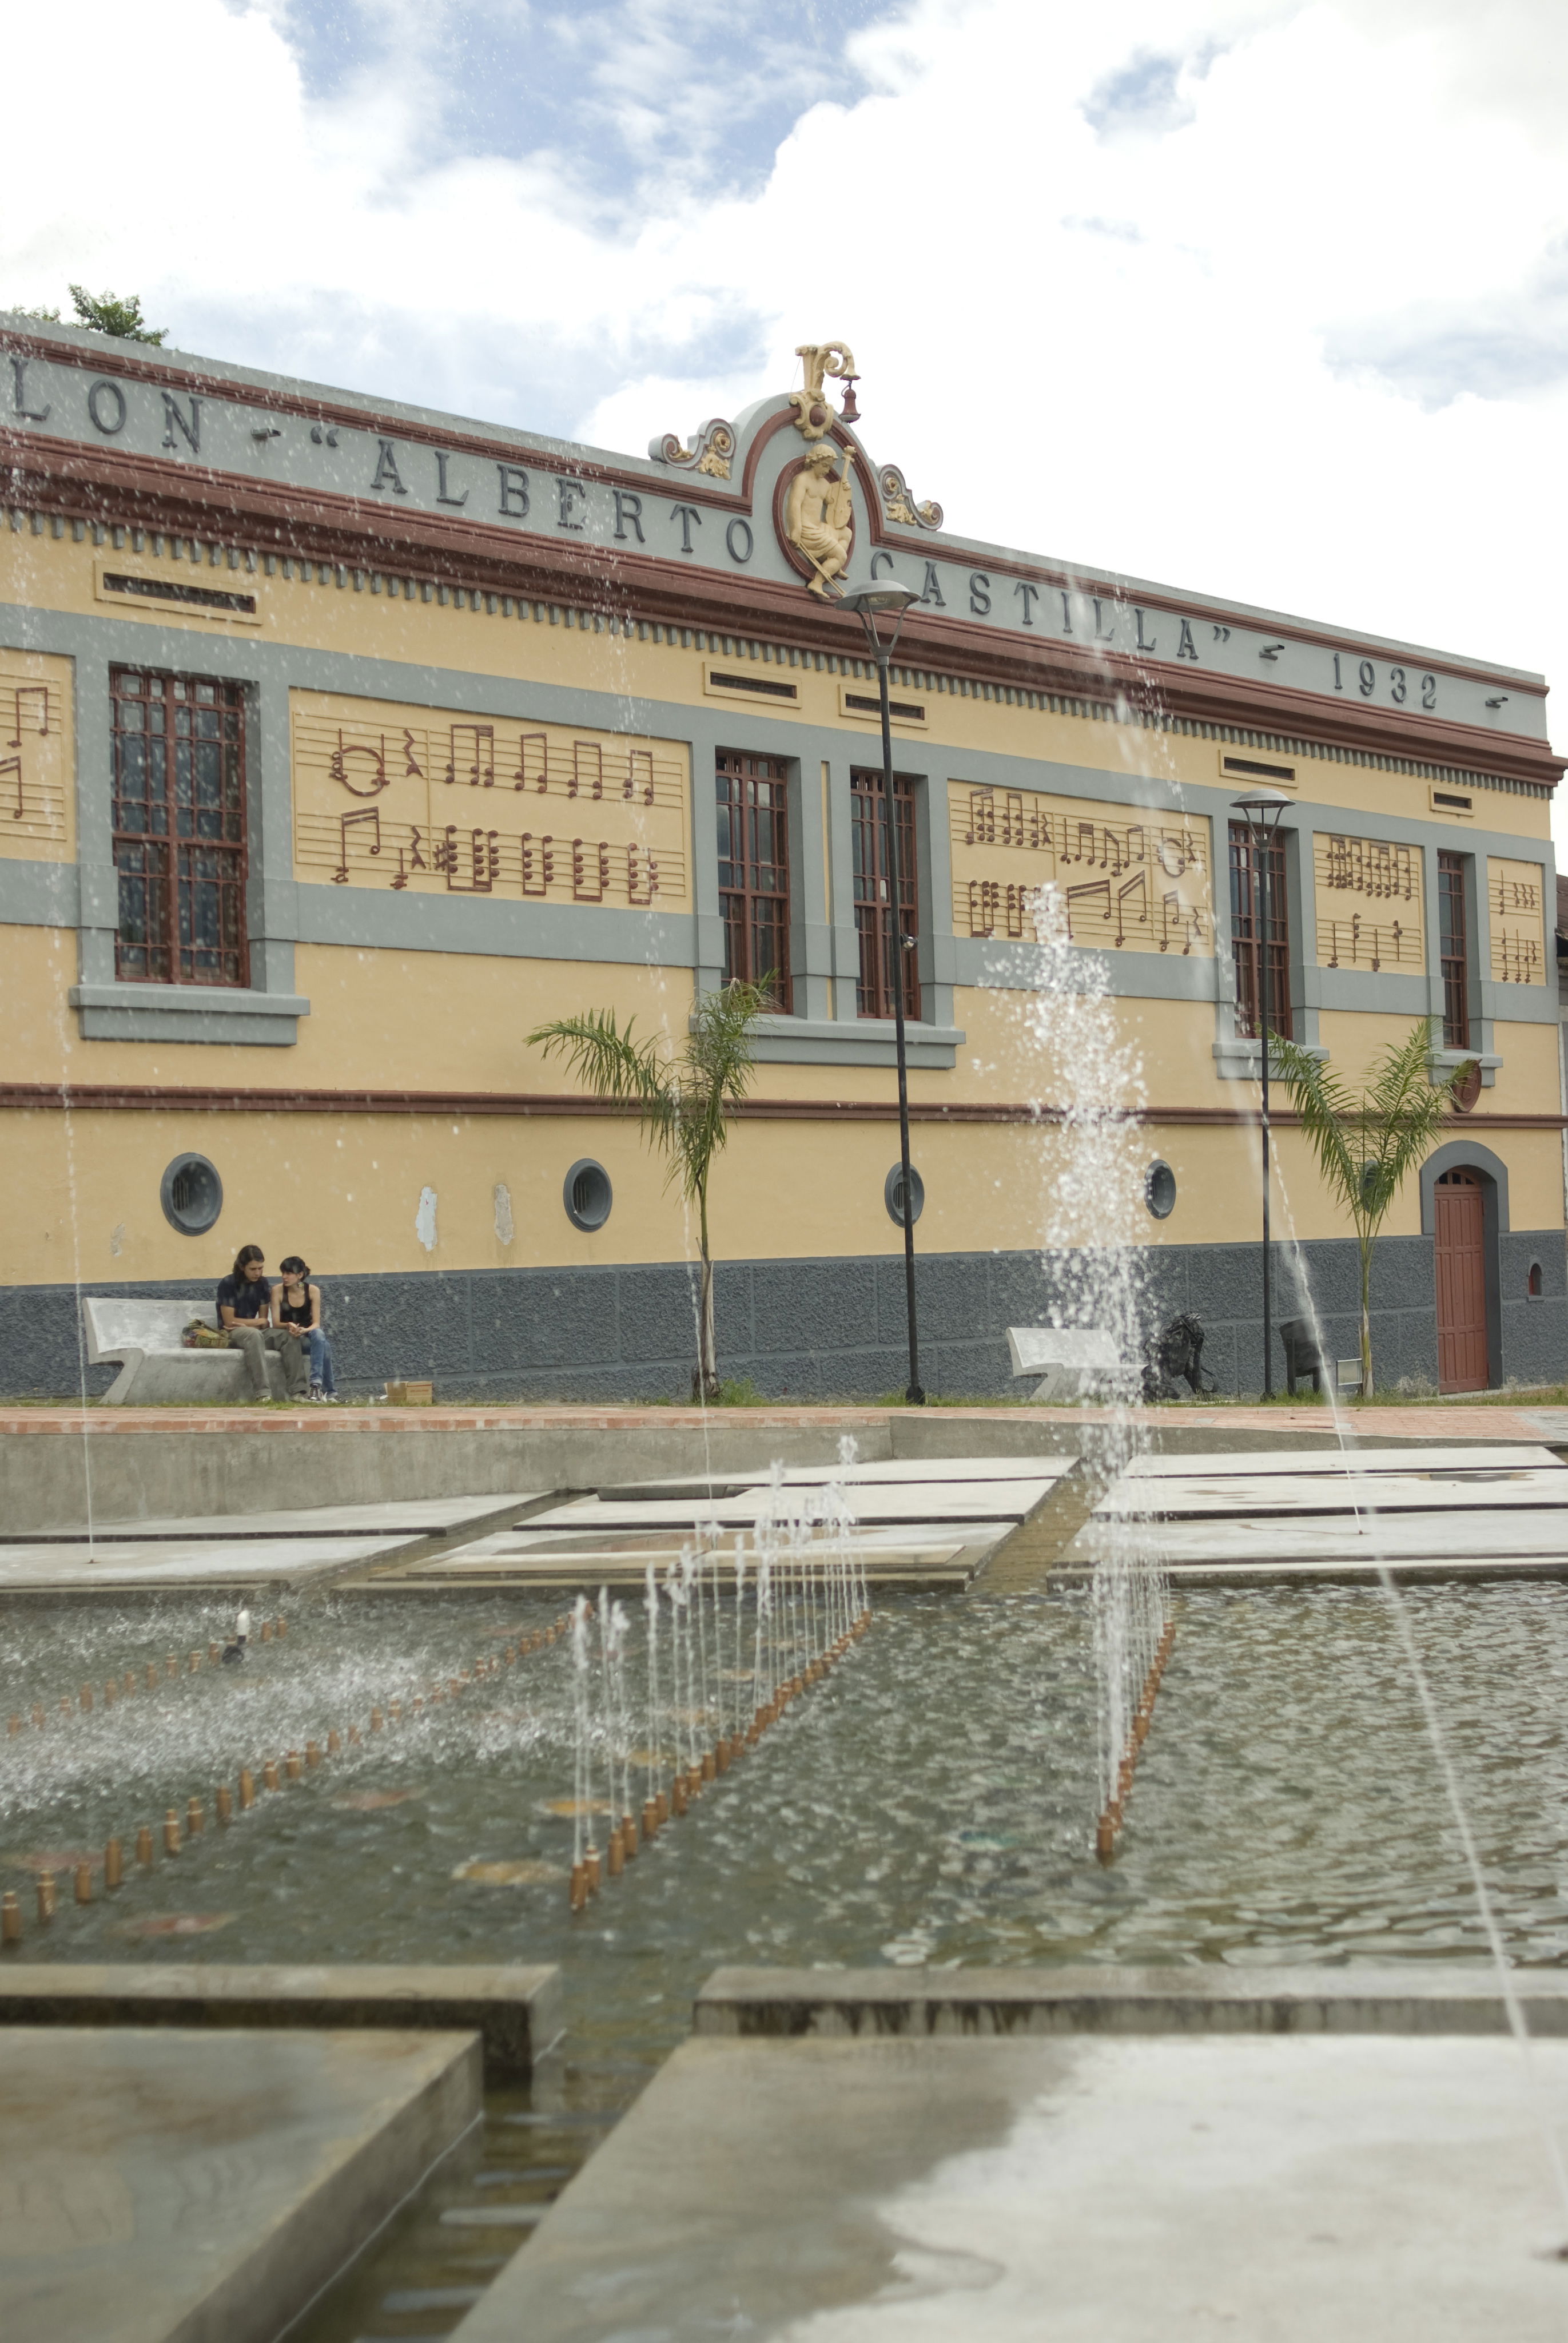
<point x="1176" y="1358"/>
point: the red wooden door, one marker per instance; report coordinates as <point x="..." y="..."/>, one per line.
<point x="1462" y="1360"/>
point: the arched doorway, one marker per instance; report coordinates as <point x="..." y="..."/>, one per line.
<point x="1459" y="1214"/>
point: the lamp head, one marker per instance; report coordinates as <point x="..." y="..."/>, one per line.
<point x="1262" y="808"/>
<point x="883" y="595"/>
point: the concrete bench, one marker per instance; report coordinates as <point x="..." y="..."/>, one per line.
<point x="145" y="1341"/>
<point x="1074" y="1362"/>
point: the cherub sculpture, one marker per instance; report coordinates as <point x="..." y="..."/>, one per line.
<point x="819" y="518"/>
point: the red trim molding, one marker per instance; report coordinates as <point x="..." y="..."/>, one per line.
<point x="102" y="484"/>
<point x="525" y="1105"/>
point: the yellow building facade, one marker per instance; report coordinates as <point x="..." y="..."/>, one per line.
<point x="342" y="744"/>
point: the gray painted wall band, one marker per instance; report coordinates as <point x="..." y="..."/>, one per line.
<point x="825" y="1328"/>
<point x="39" y="894"/>
<point x="282" y="913"/>
<point x="565" y="508"/>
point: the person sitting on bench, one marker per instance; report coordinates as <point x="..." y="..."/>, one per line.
<point x="297" y="1304"/>
<point x="245" y="1313"/>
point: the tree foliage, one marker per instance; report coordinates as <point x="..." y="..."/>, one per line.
<point x="1367" y="1143"/>
<point x="684" y="1099"/>
<point x="118" y="315"/>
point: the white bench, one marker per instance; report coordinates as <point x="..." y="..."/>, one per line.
<point x="1074" y="1362"/>
<point x="145" y="1341"/>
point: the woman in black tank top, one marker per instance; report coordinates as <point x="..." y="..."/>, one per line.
<point x="297" y="1302"/>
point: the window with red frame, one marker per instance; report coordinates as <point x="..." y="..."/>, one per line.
<point x="179" y="828"/>
<point x="1454" y="937"/>
<point x="1250" y="868"/>
<point x="754" y="870"/>
<point x="873" y="901"/>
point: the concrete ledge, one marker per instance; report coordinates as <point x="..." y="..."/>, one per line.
<point x="1361" y="2187"/>
<point x="168" y="1462"/>
<point x="516" y="2012"/>
<point x="170" y="2187"/>
<point x="1438" y="1570"/>
<point x="1446" y="1997"/>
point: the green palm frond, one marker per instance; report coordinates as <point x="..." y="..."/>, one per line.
<point x="1327" y="1114"/>
<point x="1367" y="1144"/>
<point x="610" y="1061"/>
<point x="684" y="1101"/>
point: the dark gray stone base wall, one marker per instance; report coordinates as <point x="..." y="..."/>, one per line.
<point x="825" y="1329"/>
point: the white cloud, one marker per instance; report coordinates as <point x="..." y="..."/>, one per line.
<point x="1266" y="297"/>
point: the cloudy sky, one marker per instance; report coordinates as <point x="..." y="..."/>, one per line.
<point x="1266" y="298"/>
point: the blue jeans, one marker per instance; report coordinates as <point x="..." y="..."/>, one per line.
<point x="321" y="1363"/>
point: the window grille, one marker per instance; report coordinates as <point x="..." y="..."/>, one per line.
<point x="1454" y="950"/>
<point x="873" y="907"/>
<point x="1249" y="870"/>
<point x="179" y="824"/>
<point x="754" y="870"/>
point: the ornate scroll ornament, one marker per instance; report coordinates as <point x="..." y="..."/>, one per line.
<point x="813" y="415"/>
<point x="710" y="451"/>
<point x="900" y="505"/>
<point x="819" y="519"/>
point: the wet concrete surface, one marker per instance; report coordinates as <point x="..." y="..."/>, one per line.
<point x="158" y="2183"/>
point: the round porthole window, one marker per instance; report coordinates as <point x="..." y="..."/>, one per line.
<point x="588" y="1194"/>
<point x="1160" y="1190"/>
<point x="191" y="1194"/>
<point x="893" y="1194"/>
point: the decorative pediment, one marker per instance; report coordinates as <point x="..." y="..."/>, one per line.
<point x="900" y="505"/>
<point x="818" y="489"/>
<point x="712" y="449"/>
<point x="813" y="415"/>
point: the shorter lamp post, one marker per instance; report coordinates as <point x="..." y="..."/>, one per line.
<point x="886" y="598"/>
<point x="1261" y="812"/>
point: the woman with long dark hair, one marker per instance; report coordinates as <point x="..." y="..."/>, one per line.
<point x="296" y="1305"/>
<point x="245" y="1313"/>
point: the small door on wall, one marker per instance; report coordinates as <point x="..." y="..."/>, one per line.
<point x="1463" y="1363"/>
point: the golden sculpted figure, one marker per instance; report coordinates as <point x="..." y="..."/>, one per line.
<point x="812" y="412"/>
<point x="820" y="518"/>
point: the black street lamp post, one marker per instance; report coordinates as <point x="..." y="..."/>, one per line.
<point x="887" y="597"/>
<point x="1261" y="813"/>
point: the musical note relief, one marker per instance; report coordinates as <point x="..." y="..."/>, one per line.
<point x="1153" y="894"/>
<point x="347" y="821"/>
<point x="1519" y="959"/>
<point x="639" y="785"/>
<point x="1516" y="897"/>
<point x="630" y="811"/>
<point x="533" y="763"/>
<point x="28" y="699"/>
<point x="1089" y="894"/>
<point x="1377" y="872"/>
<point x="471" y="864"/>
<point x="34" y="778"/>
<point x="472" y="757"/>
<point x="587" y="769"/>
<point x="368" y="778"/>
<point x="539" y="864"/>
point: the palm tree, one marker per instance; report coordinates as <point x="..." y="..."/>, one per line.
<point x="1367" y="1143"/>
<point x="684" y="1102"/>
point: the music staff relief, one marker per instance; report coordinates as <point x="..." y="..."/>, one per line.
<point x="1142" y="885"/>
<point x="1385" y="877"/>
<point x="401" y="799"/>
<point x="34" y="763"/>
